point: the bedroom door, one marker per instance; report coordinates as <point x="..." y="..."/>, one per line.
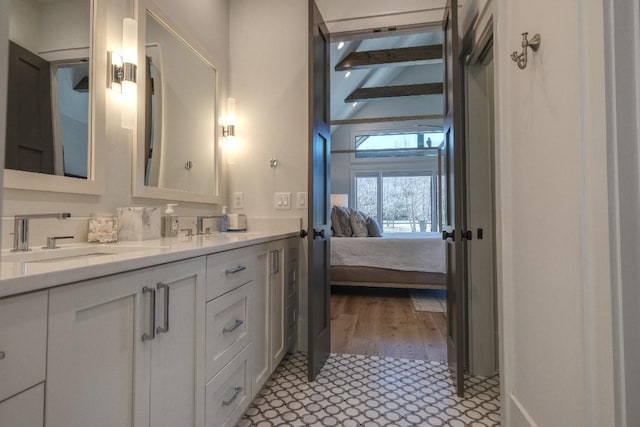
<point x="454" y="228"/>
<point x="319" y="232"/>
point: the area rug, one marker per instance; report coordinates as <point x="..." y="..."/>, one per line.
<point x="433" y="300"/>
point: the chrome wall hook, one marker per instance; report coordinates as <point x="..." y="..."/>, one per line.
<point x="521" y="58"/>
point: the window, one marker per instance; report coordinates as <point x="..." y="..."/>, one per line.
<point x="406" y="201"/>
<point x="397" y="144"/>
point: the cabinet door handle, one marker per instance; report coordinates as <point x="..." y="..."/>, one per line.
<point x="2" y="355"/>
<point x="235" y="270"/>
<point x="164" y="329"/>
<point x="152" y="314"/>
<point x="235" y="326"/>
<point x="236" y="393"/>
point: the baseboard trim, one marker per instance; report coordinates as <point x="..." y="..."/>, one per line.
<point x="519" y="415"/>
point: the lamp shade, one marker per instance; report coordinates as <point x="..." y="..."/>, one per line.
<point x="340" y="200"/>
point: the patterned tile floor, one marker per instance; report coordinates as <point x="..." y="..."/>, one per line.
<point x="363" y="391"/>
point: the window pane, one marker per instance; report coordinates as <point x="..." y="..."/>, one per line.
<point x="367" y="195"/>
<point x="406" y="204"/>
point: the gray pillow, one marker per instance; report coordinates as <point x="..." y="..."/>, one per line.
<point x="340" y="222"/>
<point x="358" y="222"/>
<point x="374" y="228"/>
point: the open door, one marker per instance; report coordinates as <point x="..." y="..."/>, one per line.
<point x="454" y="225"/>
<point x="29" y="128"/>
<point x="319" y="232"/>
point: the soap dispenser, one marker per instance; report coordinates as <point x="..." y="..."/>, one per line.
<point x="224" y="220"/>
<point x="169" y="221"/>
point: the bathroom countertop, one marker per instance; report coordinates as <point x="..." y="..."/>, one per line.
<point x="18" y="277"/>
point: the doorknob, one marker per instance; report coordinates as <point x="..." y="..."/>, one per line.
<point x="303" y="234"/>
<point x="451" y="235"/>
<point x="317" y="233"/>
<point x="467" y="235"/>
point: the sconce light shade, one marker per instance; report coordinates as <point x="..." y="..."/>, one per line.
<point x="123" y="70"/>
<point x="229" y="128"/>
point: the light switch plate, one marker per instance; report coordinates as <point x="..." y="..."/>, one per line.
<point x="282" y="201"/>
<point x="301" y="200"/>
<point x="237" y="200"/>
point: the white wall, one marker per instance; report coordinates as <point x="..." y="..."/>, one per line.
<point x="552" y="199"/>
<point x="269" y="80"/>
<point x="204" y="22"/>
<point x="623" y="137"/>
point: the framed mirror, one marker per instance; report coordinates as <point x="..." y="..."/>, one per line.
<point x="176" y="154"/>
<point x="55" y="101"/>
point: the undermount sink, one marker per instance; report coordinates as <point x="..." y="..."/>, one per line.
<point x="70" y="253"/>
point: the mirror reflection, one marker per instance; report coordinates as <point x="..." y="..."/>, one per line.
<point x="48" y="115"/>
<point x="180" y="99"/>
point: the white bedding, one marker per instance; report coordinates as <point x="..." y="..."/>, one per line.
<point x="409" y="252"/>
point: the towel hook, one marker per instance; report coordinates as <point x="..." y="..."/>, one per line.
<point x="521" y="58"/>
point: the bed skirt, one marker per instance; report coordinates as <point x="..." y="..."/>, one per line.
<point x="382" y="277"/>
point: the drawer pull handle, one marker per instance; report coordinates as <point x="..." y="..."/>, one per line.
<point x="2" y="355"/>
<point x="236" y="393"/>
<point x="164" y="329"/>
<point x="152" y="314"/>
<point x="235" y="270"/>
<point x="235" y="326"/>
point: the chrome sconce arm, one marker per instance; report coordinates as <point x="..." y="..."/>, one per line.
<point x="521" y="58"/>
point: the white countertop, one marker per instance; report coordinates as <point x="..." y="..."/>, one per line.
<point x="18" y="277"/>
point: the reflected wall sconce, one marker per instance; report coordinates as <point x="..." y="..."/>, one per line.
<point x="521" y="58"/>
<point x="123" y="70"/>
<point x="229" y="126"/>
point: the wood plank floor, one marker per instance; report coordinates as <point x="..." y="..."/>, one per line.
<point x="382" y="322"/>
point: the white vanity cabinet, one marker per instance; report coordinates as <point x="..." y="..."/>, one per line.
<point x="127" y="350"/>
<point x="272" y="308"/>
<point x="23" y="340"/>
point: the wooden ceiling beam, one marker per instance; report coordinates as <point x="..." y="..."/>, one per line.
<point x="376" y="58"/>
<point x="365" y="94"/>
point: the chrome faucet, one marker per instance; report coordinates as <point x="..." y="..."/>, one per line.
<point x="200" y="223"/>
<point x="21" y="229"/>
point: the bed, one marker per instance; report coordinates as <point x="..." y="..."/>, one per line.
<point x="396" y="260"/>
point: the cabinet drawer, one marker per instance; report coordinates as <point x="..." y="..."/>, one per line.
<point x="24" y="410"/>
<point x="228" y="270"/>
<point x="228" y="327"/>
<point x="228" y="393"/>
<point x="23" y="341"/>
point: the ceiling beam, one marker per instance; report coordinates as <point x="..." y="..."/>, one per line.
<point x="386" y="119"/>
<point x="365" y="94"/>
<point x="375" y="58"/>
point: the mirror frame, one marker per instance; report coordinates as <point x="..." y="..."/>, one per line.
<point x="95" y="182"/>
<point x="138" y="187"/>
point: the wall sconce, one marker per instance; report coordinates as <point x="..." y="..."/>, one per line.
<point x="229" y="126"/>
<point x="123" y="70"/>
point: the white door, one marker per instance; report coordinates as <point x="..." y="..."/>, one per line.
<point x="277" y="297"/>
<point x="260" y="315"/>
<point x="97" y="361"/>
<point x="177" y="356"/>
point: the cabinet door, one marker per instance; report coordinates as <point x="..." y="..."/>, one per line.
<point x="97" y="363"/>
<point x="277" y="305"/>
<point x="25" y="409"/>
<point x="260" y="314"/>
<point x="177" y="355"/>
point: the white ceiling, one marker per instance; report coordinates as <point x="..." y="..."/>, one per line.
<point x="395" y="74"/>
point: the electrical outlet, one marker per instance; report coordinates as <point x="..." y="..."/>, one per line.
<point x="301" y="200"/>
<point x="282" y="201"/>
<point x="237" y="200"/>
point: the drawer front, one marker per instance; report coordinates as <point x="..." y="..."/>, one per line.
<point x="24" y="410"/>
<point x="228" y="393"/>
<point x="229" y="270"/>
<point x="228" y="327"/>
<point x="23" y="342"/>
